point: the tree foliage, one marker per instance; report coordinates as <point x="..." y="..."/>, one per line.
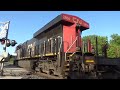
<point x="113" y="50"/>
<point x="114" y="46"/>
<point x="101" y="41"/>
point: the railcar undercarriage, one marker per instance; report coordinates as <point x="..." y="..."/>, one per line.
<point x="75" y="69"/>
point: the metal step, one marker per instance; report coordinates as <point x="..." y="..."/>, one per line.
<point x="100" y="71"/>
<point x="67" y="60"/>
<point x="66" y="73"/>
<point x="66" y="70"/>
<point x="67" y="65"/>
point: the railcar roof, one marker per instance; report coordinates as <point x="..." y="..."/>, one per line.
<point x="62" y="17"/>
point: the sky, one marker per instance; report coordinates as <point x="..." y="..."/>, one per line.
<point x="23" y="24"/>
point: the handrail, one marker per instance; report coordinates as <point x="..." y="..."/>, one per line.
<point x="44" y="48"/>
<point x="70" y="47"/>
<point x="60" y="44"/>
<point x="60" y="49"/>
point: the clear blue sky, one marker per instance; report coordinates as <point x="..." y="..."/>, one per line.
<point x="23" y="24"/>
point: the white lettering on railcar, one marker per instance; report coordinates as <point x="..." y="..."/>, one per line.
<point x="76" y="20"/>
<point x="66" y="18"/>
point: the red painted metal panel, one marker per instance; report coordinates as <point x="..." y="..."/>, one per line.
<point x="89" y="45"/>
<point x="74" y="19"/>
<point x="69" y="35"/>
<point x="79" y="38"/>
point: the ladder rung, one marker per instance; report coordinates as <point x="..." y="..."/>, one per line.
<point x="67" y="64"/>
<point x="100" y="71"/>
<point x="66" y="70"/>
<point x="67" y="60"/>
<point x="66" y="74"/>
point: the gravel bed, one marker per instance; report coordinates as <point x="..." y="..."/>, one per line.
<point x="25" y="75"/>
<point x="11" y="70"/>
<point x="32" y="77"/>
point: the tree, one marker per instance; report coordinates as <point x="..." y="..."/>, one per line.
<point x="114" y="46"/>
<point x="101" y="41"/>
<point x="113" y="50"/>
